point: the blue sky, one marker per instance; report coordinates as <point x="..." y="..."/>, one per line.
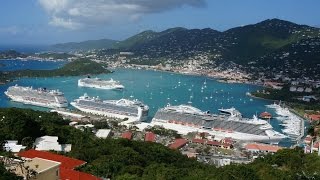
<point x="53" y="21"/>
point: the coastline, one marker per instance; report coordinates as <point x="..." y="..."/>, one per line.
<point x="219" y="79"/>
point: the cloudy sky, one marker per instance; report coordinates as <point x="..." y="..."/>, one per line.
<point x="53" y="21"/>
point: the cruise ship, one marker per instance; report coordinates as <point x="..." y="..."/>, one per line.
<point x="37" y="97"/>
<point x="134" y="110"/>
<point x="185" y="119"/>
<point x="231" y="111"/>
<point x="99" y="83"/>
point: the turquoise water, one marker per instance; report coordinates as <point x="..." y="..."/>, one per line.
<point x="156" y="89"/>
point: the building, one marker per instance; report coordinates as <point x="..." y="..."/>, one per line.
<point x="264" y="148"/>
<point x="67" y="164"/>
<point x="309" y="98"/>
<point x="308" y="90"/>
<point x="103" y="133"/>
<point x="13" y="146"/>
<point x="44" y="169"/>
<point x="127" y="135"/>
<point x="178" y="143"/>
<point x="300" y="89"/>
<point x="293" y="89"/>
<point x="308" y="139"/>
<point x="313" y="117"/>
<point x="150" y="137"/>
<point x="47" y="143"/>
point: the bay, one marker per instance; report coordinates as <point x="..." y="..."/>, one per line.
<point x="154" y="88"/>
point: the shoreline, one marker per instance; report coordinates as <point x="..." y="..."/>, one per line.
<point x="218" y="79"/>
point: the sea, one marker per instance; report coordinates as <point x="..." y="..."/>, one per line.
<point x="154" y="88"/>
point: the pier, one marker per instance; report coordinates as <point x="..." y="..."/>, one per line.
<point x="302" y="125"/>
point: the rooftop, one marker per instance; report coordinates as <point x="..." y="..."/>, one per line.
<point x="150" y="136"/>
<point x="69" y="174"/>
<point x="13" y="146"/>
<point x="262" y="147"/>
<point x="178" y="143"/>
<point x="47" y="143"/>
<point x="66" y="162"/>
<point x="103" y="133"/>
<point x="41" y="165"/>
<point x="38" y="165"/>
<point x="127" y="135"/>
<point x="66" y="167"/>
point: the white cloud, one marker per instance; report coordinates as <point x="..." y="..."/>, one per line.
<point x="74" y="14"/>
<point x="66" y="23"/>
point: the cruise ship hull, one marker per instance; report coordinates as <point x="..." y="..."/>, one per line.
<point x="104" y="113"/>
<point x="118" y="87"/>
<point x="184" y="130"/>
<point x="36" y="103"/>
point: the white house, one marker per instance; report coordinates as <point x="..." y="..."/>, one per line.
<point x="13" y="146"/>
<point x="103" y="133"/>
<point x="47" y="143"/>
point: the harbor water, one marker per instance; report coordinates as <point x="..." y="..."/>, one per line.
<point x="154" y="88"/>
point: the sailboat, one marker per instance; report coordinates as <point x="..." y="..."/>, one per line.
<point x="191" y="96"/>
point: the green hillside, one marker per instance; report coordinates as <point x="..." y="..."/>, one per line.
<point x="85" y="45"/>
<point x="74" y="68"/>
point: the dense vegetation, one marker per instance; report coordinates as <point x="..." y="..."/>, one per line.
<point x="5" y="175"/>
<point x="124" y="159"/>
<point x="291" y="98"/>
<point x="85" y="45"/>
<point x="10" y="54"/>
<point x="54" y="55"/>
<point x="269" y="46"/>
<point x="74" y="68"/>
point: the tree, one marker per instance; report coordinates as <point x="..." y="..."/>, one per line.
<point x="28" y="142"/>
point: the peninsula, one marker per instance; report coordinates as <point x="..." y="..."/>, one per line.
<point x="74" y="68"/>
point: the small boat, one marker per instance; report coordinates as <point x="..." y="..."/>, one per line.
<point x="265" y="115"/>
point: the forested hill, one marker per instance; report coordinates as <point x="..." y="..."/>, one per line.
<point x="85" y="45"/>
<point x="268" y="44"/>
<point x="240" y="44"/>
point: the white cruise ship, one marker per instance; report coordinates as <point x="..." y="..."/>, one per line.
<point x="37" y="97"/>
<point x="99" y="83"/>
<point x="123" y="108"/>
<point x="185" y="119"/>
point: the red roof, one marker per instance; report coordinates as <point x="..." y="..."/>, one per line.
<point x="69" y="174"/>
<point x="178" y="143"/>
<point x="262" y="147"/>
<point x="66" y="162"/>
<point x="66" y="167"/>
<point x="265" y="115"/>
<point x="149" y="136"/>
<point x="127" y="135"/>
<point x="314" y="117"/>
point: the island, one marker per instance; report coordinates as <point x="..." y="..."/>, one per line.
<point x="74" y="68"/>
